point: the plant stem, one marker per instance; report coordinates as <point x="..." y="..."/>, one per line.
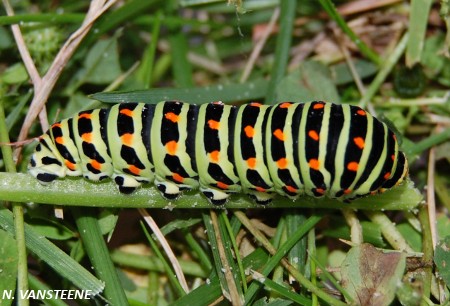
<point x="284" y="38"/>
<point x="97" y="250"/>
<point x="22" y="269"/>
<point x="331" y="10"/>
<point x="384" y="71"/>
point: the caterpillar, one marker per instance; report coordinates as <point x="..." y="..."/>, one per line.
<point x="292" y="149"/>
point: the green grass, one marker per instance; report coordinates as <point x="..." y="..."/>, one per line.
<point x="196" y="51"/>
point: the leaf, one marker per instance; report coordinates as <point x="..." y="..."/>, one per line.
<point x="342" y="75"/>
<point x="310" y="82"/>
<point x="251" y="90"/>
<point x="50" y="229"/>
<point x="5" y="38"/>
<point x="8" y="268"/>
<point x="15" y="74"/>
<point x="371" y="276"/>
<point x="179" y="224"/>
<point x="414" y="237"/>
<point x="442" y="259"/>
<point x="102" y="62"/>
<point x="108" y="221"/>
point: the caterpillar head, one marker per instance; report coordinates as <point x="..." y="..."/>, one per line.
<point x="399" y="174"/>
<point x="44" y="164"/>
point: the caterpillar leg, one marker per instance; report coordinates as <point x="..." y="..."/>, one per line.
<point x="169" y="190"/>
<point x="126" y="183"/>
<point x="215" y="196"/>
<point x="262" y="198"/>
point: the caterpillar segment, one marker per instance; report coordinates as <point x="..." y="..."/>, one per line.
<point x="291" y="149"/>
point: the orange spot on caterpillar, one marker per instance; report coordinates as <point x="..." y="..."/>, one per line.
<point x="87" y="137"/>
<point x="251" y="162"/>
<point x="387" y="175"/>
<point x="249" y="131"/>
<point x="127" y="139"/>
<point x="133" y="169"/>
<point x="213" y="124"/>
<point x="318" y="106"/>
<point x="285" y="105"/>
<point x="56" y="125"/>
<point x="69" y="165"/>
<point x="279" y="134"/>
<point x="255" y="104"/>
<point x="126" y="112"/>
<point x="96" y="165"/>
<point x="171" y="147"/>
<point x="85" y="116"/>
<point x="260" y="189"/>
<point x="222" y="186"/>
<point x="282" y="163"/>
<point x="291" y="189"/>
<point x="313" y="134"/>
<point x="393" y="157"/>
<point x="352" y="166"/>
<point x="177" y="178"/>
<point x="59" y="140"/>
<point x="320" y="190"/>
<point x="361" y="112"/>
<point x="214" y="156"/>
<point x="172" y="117"/>
<point x="314" y="164"/>
<point x="347" y="191"/>
<point x="359" y="142"/>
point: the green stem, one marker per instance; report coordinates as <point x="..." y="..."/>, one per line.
<point x="384" y="71"/>
<point x="181" y="67"/>
<point x="331" y="10"/>
<point x="427" y="249"/>
<point x="98" y="253"/>
<point x="418" y="22"/>
<point x="312" y="264"/>
<point x="167" y="268"/>
<point x="24" y="188"/>
<point x="22" y="269"/>
<point x="154" y="264"/>
<point x="427" y="143"/>
<point x="47" y="18"/>
<point x="284" y="39"/>
<point x="145" y="71"/>
<point x="389" y="231"/>
<point x="198" y="250"/>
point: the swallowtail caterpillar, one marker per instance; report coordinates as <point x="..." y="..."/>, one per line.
<point x="292" y="149"/>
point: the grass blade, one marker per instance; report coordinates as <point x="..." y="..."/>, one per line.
<point x="284" y="38"/>
<point x="62" y="263"/>
<point x="97" y="250"/>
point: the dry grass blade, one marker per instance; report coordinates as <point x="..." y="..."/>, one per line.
<point x="165" y="245"/>
<point x="23" y="50"/>
<point x="259" y="45"/>
<point x="364" y="5"/>
<point x="232" y="287"/>
<point x="431" y="201"/>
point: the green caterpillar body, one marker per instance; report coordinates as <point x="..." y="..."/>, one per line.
<point x="292" y="149"/>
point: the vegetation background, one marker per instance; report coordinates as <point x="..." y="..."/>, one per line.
<point x="58" y="57"/>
